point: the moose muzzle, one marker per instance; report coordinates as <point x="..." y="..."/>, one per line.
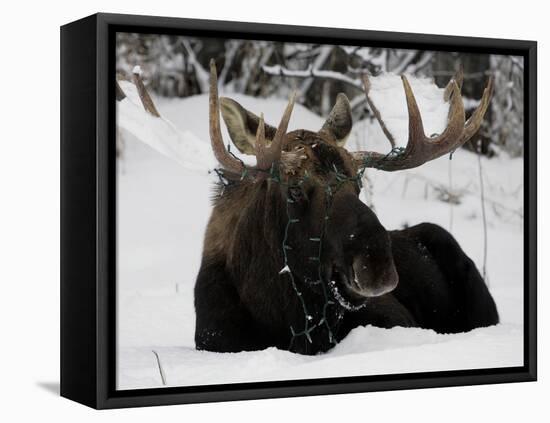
<point x="360" y="253"/>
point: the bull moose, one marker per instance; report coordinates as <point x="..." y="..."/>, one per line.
<point x="293" y="259"/>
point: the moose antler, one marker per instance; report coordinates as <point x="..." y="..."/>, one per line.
<point x="226" y="159"/>
<point x="458" y="78"/>
<point x="144" y="96"/>
<point x="420" y="148"/>
<point x="265" y="155"/>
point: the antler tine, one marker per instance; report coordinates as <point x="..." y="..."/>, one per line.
<point x="431" y="148"/>
<point x="416" y="128"/>
<point x="261" y="145"/>
<point x="458" y="78"/>
<point x="227" y="161"/>
<point x="277" y="142"/>
<point x="266" y="156"/>
<point x="144" y="96"/>
<point x="475" y="120"/>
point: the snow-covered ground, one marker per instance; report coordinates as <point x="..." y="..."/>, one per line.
<point x="163" y="206"/>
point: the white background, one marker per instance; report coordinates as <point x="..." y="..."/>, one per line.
<point x="29" y="170"/>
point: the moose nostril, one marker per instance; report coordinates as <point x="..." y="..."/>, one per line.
<point x="373" y="279"/>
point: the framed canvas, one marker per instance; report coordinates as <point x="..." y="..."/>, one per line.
<point x="257" y="211"/>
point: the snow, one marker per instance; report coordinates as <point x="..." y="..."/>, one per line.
<point x="285" y="269"/>
<point x="163" y="195"/>
<point x="365" y="351"/>
<point x="160" y="134"/>
<point x="389" y="97"/>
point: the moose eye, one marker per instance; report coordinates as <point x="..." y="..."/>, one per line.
<point x="296" y="193"/>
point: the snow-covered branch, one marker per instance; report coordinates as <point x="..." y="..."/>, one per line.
<point x="426" y="58"/>
<point x="201" y="73"/>
<point x="405" y="61"/>
<point x="231" y="49"/>
<point x="319" y="61"/>
<point x="357" y="101"/>
<point x="278" y="70"/>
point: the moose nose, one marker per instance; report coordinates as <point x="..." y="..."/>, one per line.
<point x="374" y="279"/>
<point x="373" y="267"/>
<point x="367" y="251"/>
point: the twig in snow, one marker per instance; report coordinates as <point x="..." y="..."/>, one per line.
<point x="464" y="191"/>
<point x="368" y="191"/>
<point x="451" y="205"/>
<point x="482" y="197"/>
<point x="161" y="371"/>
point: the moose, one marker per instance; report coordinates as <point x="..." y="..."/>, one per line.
<point x="293" y="259"/>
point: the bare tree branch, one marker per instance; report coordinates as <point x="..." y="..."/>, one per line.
<point x="376" y="112"/>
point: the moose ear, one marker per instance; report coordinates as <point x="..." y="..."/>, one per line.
<point x="242" y="125"/>
<point x="339" y="122"/>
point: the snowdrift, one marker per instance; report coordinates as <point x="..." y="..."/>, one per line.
<point x="163" y="191"/>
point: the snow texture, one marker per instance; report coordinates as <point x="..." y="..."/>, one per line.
<point x="163" y="194"/>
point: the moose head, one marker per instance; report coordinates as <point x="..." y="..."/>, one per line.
<point x="298" y="211"/>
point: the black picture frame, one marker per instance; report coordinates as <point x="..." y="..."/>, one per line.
<point x="88" y="212"/>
